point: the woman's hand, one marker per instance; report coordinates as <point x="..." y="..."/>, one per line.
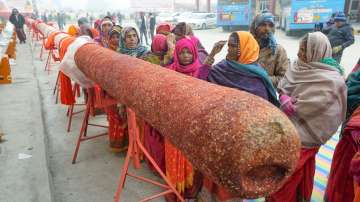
<point x="209" y="60"/>
<point x="218" y="46"/>
<point x="170" y="40"/>
<point x="287" y="105"/>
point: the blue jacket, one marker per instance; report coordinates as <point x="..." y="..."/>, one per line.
<point x="342" y="36"/>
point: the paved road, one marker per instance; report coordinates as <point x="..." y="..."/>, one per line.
<point x="34" y="125"/>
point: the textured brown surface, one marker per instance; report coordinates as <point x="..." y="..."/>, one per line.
<point x="241" y="141"/>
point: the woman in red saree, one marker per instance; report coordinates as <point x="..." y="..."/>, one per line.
<point x="117" y="123"/>
<point x="130" y="45"/>
<point x="313" y="96"/>
<point x="344" y="178"/>
<point x="153" y="140"/>
<point x="178" y="169"/>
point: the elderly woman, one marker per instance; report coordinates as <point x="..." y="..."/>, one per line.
<point x="344" y="178"/>
<point x="240" y="71"/>
<point x="130" y="43"/>
<point x="313" y="95"/>
<point x="117" y="124"/>
<point x="105" y="28"/>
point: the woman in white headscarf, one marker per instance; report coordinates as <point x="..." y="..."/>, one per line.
<point x="313" y="95"/>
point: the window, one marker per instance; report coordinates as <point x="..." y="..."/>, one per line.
<point x="264" y="4"/>
<point x="230" y="2"/>
<point x="354" y="5"/>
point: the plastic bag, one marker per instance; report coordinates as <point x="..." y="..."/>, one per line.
<point x="68" y="65"/>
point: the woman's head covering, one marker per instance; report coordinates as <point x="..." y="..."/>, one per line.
<point x="73" y="30"/>
<point x="163" y="28"/>
<point x="183" y="29"/>
<point x="136" y="52"/>
<point x="318" y="47"/>
<point x="191" y="69"/>
<point x="159" y="44"/>
<point x="97" y="24"/>
<point x="105" y="21"/>
<point x="320" y="93"/>
<point x="115" y="29"/>
<point x="103" y="38"/>
<point x="107" y="18"/>
<point x="249" y="48"/>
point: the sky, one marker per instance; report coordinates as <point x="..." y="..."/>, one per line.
<point x="84" y="4"/>
<point x="100" y="4"/>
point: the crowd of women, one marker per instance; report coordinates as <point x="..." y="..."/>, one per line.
<point x="312" y="92"/>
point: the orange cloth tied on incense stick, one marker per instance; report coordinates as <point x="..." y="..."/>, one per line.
<point x="66" y="94"/>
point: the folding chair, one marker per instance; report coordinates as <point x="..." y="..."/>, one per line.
<point x="133" y="153"/>
<point x="91" y="104"/>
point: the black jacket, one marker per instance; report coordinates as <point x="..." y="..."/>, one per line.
<point x="19" y="22"/>
<point x="342" y="36"/>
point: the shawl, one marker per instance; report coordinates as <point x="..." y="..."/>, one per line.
<point x="251" y="78"/>
<point x="249" y="48"/>
<point x="320" y="92"/>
